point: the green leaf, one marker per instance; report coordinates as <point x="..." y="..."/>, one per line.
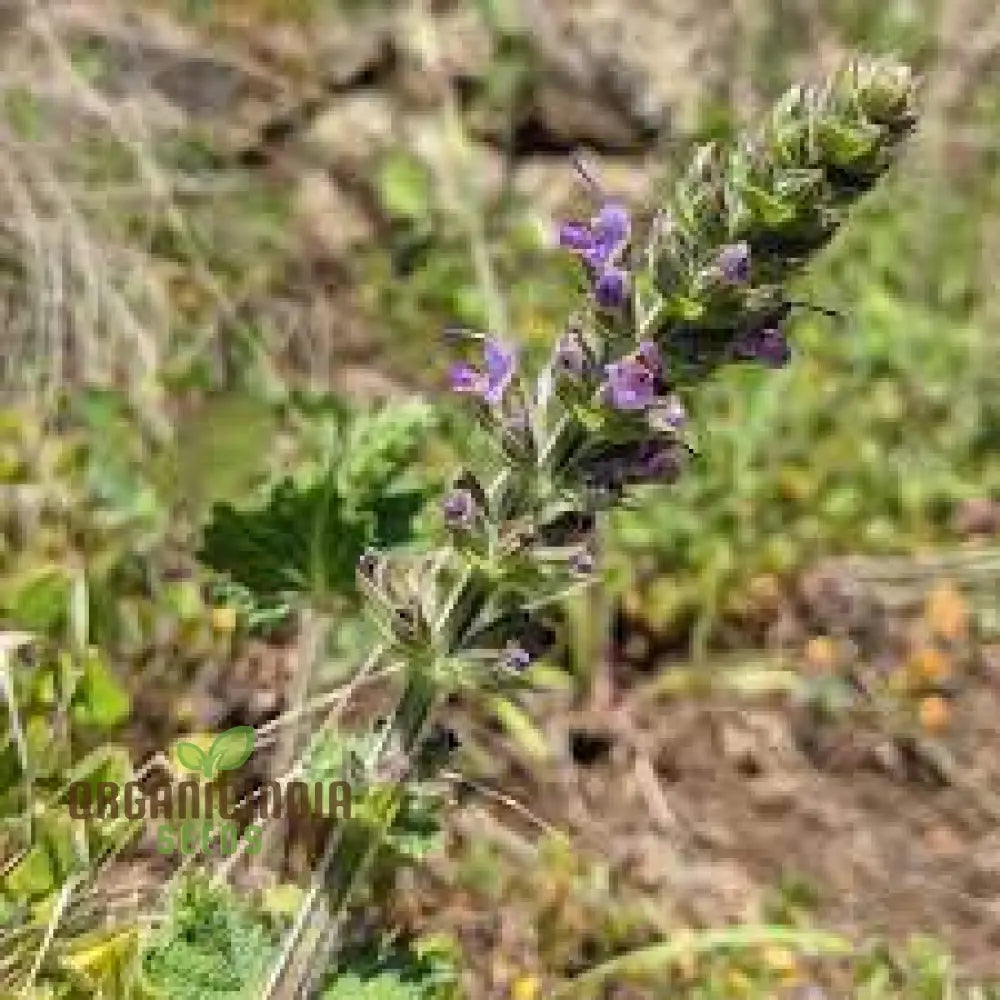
<point x="99" y="699"/>
<point x="416" y="832"/>
<point x="221" y="448"/>
<point x="31" y="877"/>
<point x="307" y="535"/>
<point x="214" y="946"/>
<point x="24" y="113"/>
<point x="520" y="728"/>
<point x="652" y="960"/>
<point x="303" y="539"/>
<point x="393" y="515"/>
<point x="426" y="970"/>
<point x="191" y="756"/>
<point x="230" y="750"/>
<point x="39" y="602"/>
<point x="845" y="145"/>
<point x="381" y="448"/>
<point x="404" y="186"/>
<point x="766" y="208"/>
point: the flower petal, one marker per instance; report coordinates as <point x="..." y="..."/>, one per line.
<point x="501" y="360"/>
<point x="734" y="263"/>
<point x="611" y="287"/>
<point x="649" y="354"/>
<point x="631" y="385"/>
<point x="768" y="346"/>
<point x="613" y="224"/>
<point x="459" y="509"/>
<point x="465" y="378"/>
<point x="575" y="236"/>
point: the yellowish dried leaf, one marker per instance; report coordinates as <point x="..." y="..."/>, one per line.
<point x="928" y="665"/>
<point x="525" y="988"/>
<point x="765" y="592"/>
<point x="821" y="653"/>
<point x="946" y="612"/>
<point x="739" y="984"/>
<point x="224" y="619"/>
<point x="935" y="714"/>
<point x="782" y="961"/>
<point x="900" y="681"/>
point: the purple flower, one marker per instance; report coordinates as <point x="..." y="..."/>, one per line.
<point x="500" y="364"/>
<point x="611" y="287"/>
<point x="658" y="463"/>
<point x="515" y="657"/>
<point x="649" y="354"/>
<point x="631" y="385"/>
<point x="600" y="242"/>
<point x="459" y="509"/>
<point x="576" y="236"/>
<point x="465" y="378"/>
<point x="501" y="361"/>
<point x="633" y="382"/>
<point x="600" y="246"/>
<point x="653" y="460"/>
<point x="733" y="263"/>
<point x="768" y="345"/>
<point x="611" y="230"/>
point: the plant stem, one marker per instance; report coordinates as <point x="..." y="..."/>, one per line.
<point x="602" y="641"/>
<point x="352" y="847"/>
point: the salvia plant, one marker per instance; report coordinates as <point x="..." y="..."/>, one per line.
<point x="661" y="306"/>
<point x="704" y="285"/>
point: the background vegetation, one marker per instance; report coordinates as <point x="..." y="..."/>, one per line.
<point x="762" y="762"/>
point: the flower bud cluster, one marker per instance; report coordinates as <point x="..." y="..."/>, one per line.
<point x="607" y="412"/>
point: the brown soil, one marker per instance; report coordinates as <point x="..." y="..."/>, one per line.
<point x="701" y="807"/>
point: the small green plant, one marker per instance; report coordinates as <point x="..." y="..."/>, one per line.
<point x="354" y="487"/>
<point x="421" y="970"/>
<point x="213" y="946"/>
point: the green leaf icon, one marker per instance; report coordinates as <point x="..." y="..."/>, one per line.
<point x="191" y="756"/>
<point x="230" y="750"/>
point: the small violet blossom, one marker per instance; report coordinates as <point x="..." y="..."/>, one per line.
<point x="633" y="382"/>
<point x="459" y="509"/>
<point x="658" y="463"/>
<point x="733" y="263"/>
<point x="600" y="246"/>
<point x="768" y="346"/>
<point x="501" y="362"/>
<point x="515" y="657"/>
<point x="611" y="287"/>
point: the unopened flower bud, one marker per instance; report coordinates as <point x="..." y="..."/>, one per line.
<point x="515" y="658"/>
<point x="459" y="509"/>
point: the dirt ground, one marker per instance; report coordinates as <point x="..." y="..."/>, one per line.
<point x="686" y="805"/>
<point x="713" y="809"/>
